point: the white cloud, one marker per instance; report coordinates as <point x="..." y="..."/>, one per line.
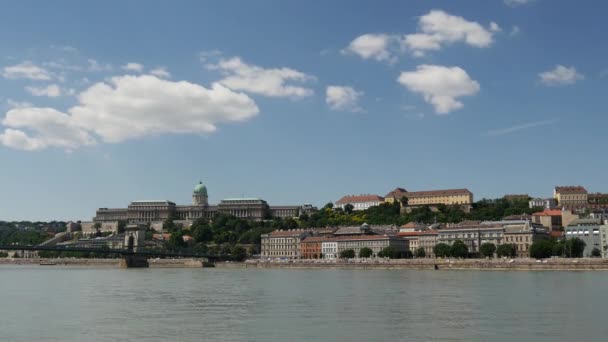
<point x="343" y="98"/>
<point x="127" y="107"/>
<point x="136" y="67"/>
<point x="257" y="80"/>
<point x="26" y="70"/>
<point x="516" y="128"/>
<point x="440" y="85"/>
<point x="48" y="127"/>
<point x="95" y="66"/>
<point x="515" y="30"/>
<point x="160" y="72"/>
<point x="515" y="3"/>
<point x="51" y="90"/>
<point x="561" y="75"/>
<point x="438" y="28"/>
<point x="372" y="46"/>
<point x="206" y="56"/>
<point x="17" y="104"/>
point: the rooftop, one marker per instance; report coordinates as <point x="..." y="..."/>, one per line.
<point x="447" y="192"/>
<point x="359" y="199"/>
<point x="549" y="212"/>
<point x="397" y="193"/>
<point x="577" y="189"/>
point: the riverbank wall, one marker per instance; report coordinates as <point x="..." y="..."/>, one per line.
<point x="556" y="264"/>
<point x="101" y="263"/>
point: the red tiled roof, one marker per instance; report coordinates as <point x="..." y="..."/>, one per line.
<point x="397" y="193"/>
<point x="365" y="237"/>
<point x="447" y="192"/>
<point x="408" y="234"/>
<point x="570" y="189"/>
<point x="286" y="233"/>
<point x="556" y="233"/>
<point x="549" y="212"/>
<point x="314" y="239"/>
<point x="359" y="199"/>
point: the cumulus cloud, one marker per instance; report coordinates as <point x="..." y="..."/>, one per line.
<point x="48" y="127"/>
<point x="51" y="90"/>
<point x="439" y="28"/>
<point x="95" y="66"/>
<point x="136" y="67"/>
<point x="26" y="70"/>
<point x="343" y="98"/>
<point x="372" y="46"/>
<point x="561" y="75"/>
<point x="515" y="3"/>
<point x="160" y="72"/>
<point x="275" y="82"/>
<point x="127" y="107"/>
<point x="440" y="85"/>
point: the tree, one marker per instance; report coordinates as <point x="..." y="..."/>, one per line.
<point x="348" y="208"/>
<point x="389" y="252"/>
<point x="596" y="253"/>
<point x="506" y="250"/>
<point x="574" y="248"/>
<point x="404" y="201"/>
<point x="168" y="225"/>
<point x="97" y="225"/>
<point x="487" y="249"/>
<point x="238" y="253"/>
<point x="420" y="253"/>
<point x="442" y="250"/>
<point x="407" y="254"/>
<point x="541" y="249"/>
<point x="366" y="252"/>
<point x="347" y="254"/>
<point x="121" y="226"/>
<point x="459" y="249"/>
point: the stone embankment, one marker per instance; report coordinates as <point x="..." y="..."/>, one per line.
<point x="556" y="264"/>
<point x="94" y="263"/>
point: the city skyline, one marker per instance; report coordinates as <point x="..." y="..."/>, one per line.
<point x="295" y="102"/>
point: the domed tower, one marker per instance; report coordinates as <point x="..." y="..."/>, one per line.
<point x="199" y="195"/>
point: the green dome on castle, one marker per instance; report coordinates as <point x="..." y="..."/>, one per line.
<point x="200" y="189"/>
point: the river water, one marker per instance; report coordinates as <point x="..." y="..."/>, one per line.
<point x="48" y="303"/>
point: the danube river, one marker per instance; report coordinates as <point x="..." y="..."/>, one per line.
<point x="49" y="303"/>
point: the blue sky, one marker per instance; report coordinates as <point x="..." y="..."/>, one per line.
<point x="295" y="101"/>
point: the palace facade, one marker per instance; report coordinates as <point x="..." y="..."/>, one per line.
<point x="148" y="211"/>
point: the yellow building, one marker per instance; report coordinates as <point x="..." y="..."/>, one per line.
<point x="395" y="195"/>
<point x="570" y="196"/>
<point x="447" y="197"/>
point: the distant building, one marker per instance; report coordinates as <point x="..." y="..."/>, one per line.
<point x="395" y="195"/>
<point x="356" y="230"/>
<point x="472" y="235"/>
<point x="597" y="200"/>
<point x="554" y="219"/>
<point x="547" y="203"/>
<point x="359" y="202"/>
<point x="593" y="232"/>
<point x="570" y="196"/>
<point x="523" y="234"/>
<point x="329" y="249"/>
<point x="427" y="240"/>
<point x="461" y="197"/>
<point x="149" y="211"/>
<point x="311" y="246"/>
<point x="283" y="243"/>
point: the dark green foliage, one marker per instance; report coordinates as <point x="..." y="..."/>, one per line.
<point x="348" y="208"/>
<point x="14" y="236"/>
<point x="508" y="250"/>
<point x="442" y="250"/>
<point x="3" y="254"/>
<point x="238" y="253"/>
<point x="596" y="253"/>
<point x="459" y="249"/>
<point x="541" y="249"/>
<point x="347" y="254"/>
<point x="487" y="249"/>
<point x="389" y="252"/>
<point x="420" y="253"/>
<point x="366" y="252"/>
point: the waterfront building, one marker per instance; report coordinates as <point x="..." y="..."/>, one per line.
<point x="594" y="232"/>
<point x="427" y="239"/>
<point x="375" y="242"/>
<point x="395" y="195"/>
<point x="523" y="234"/>
<point x="311" y="247"/>
<point x="472" y="235"/>
<point x="546" y="203"/>
<point x="359" y="202"/>
<point x="412" y="238"/>
<point x="570" y="196"/>
<point x="356" y="230"/>
<point x="283" y="243"/>
<point x="329" y="249"/>
<point x="255" y="209"/>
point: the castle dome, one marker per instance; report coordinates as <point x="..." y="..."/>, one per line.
<point x="200" y="189"/>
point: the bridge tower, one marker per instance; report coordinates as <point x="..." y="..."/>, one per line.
<point x="135" y="235"/>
